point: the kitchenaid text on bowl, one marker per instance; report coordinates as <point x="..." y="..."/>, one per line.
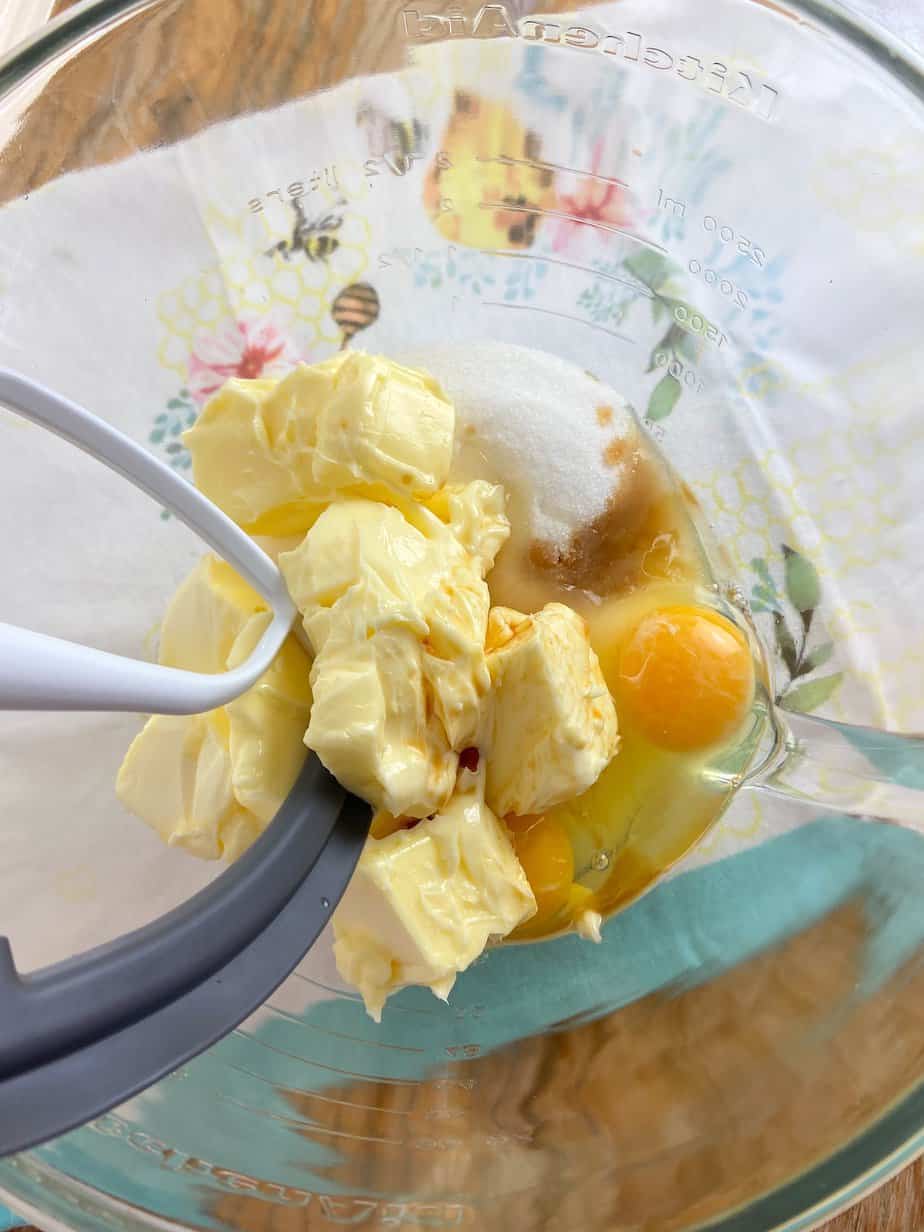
<point x="743" y="88"/>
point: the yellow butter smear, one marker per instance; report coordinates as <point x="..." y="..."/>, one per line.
<point x="445" y="716"/>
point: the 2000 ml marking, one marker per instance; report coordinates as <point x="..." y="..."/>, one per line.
<point x="744" y="89"/>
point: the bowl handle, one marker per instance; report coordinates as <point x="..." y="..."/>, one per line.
<point x="859" y="772"/>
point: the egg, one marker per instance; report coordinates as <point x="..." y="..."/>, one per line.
<point x="685" y="678"/>
<point x="544" y="850"/>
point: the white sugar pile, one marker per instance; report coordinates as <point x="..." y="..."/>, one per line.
<point x="558" y="439"/>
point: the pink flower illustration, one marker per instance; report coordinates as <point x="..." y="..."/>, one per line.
<point x="597" y="199"/>
<point x="248" y="348"/>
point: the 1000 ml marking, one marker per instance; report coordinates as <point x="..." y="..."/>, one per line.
<point x="744" y="89"/>
<point x="680" y="371"/>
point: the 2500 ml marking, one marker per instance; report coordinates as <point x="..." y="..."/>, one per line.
<point x="728" y="235"/>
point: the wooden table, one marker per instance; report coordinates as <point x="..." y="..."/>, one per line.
<point x="897" y="1206"/>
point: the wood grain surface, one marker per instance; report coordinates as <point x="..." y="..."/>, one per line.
<point x="156" y="86"/>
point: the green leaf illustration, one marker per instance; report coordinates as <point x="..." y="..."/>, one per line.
<point x="812" y="694"/>
<point x="762" y="569"/>
<point x="688" y="345"/>
<point x="647" y="266"/>
<point x="663" y="398"/>
<point x="802" y="583"/>
<point x="668" y="344"/>
<point x="786" y="643"/>
<point x="177" y="404"/>
<point x="766" y="596"/>
<point x="817" y="657"/>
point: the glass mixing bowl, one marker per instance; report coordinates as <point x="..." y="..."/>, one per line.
<point x="716" y="208"/>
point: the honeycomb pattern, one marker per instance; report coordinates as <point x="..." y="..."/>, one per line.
<point x="836" y="492"/>
<point x="245" y="283"/>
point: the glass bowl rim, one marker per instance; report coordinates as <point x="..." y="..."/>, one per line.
<point x="897" y="1138"/>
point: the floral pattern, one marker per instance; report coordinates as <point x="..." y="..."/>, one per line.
<point x="792" y="611"/>
<point x="180" y="414"/>
<point x="247" y="348"/>
<point x="596" y="199"/>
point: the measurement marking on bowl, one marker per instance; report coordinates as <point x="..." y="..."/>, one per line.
<point x="355" y="996"/>
<point x="714" y="278"/>
<point x="575" y="265"/>
<point x="301" y="1123"/>
<point x="506" y="160"/>
<point x="679" y="370"/>
<point x="330" y="1069"/>
<point x="565" y="217"/>
<point x="288" y="1088"/>
<point x="302" y="1023"/>
<point x="693" y="322"/>
<point x="565" y="316"/>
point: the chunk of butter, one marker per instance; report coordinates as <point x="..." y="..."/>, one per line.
<point x="176" y="776"/>
<point x="396" y="611"/>
<point x="272" y="454"/>
<point x="553" y="728"/>
<point x="384" y="424"/>
<point x="253" y="449"/>
<point x="212" y="783"/>
<point x="424" y="902"/>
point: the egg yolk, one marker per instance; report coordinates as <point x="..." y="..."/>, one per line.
<point x="544" y="850"/>
<point x="686" y="678"/>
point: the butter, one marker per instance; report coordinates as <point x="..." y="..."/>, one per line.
<point x="273" y="454"/>
<point x="253" y="449"/>
<point x="205" y="616"/>
<point x="340" y="470"/>
<point x="396" y="612"/>
<point x="176" y="776"/>
<point x="384" y="424"/>
<point x="423" y="903"/>
<point x="212" y="783"/>
<point x="553" y="728"/>
<point x="476" y="513"/>
<point x="589" y="925"/>
<point x="266" y="725"/>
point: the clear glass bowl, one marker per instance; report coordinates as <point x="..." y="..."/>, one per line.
<point x="716" y="208"/>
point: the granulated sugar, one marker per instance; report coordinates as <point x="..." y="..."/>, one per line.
<point x="561" y="442"/>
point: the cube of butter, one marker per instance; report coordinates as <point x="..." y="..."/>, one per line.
<point x="424" y="902"/>
<point x="553" y="728"/>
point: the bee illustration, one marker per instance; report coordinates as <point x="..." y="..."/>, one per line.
<point x="398" y="143"/>
<point x="316" y="239"/>
<point x="494" y="179"/>
<point x="407" y="140"/>
<point x="355" y="308"/>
